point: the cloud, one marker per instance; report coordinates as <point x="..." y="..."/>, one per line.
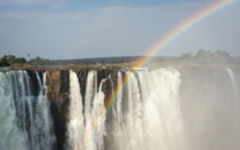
<point x="114" y="31"/>
<point x="59" y="4"/>
<point x="27" y="2"/>
<point x="21" y="3"/>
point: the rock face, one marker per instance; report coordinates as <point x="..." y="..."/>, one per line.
<point x="35" y="87"/>
<point x="58" y="91"/>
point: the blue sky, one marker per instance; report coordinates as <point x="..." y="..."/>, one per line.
<point x="64" y="29"/>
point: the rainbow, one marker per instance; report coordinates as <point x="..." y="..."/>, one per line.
<point x="178" y="30"/>
<point x="182" y="27"/>
<point x="168" y="38"/>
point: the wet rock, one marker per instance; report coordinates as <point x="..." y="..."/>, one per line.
<point x="58" y="93"/>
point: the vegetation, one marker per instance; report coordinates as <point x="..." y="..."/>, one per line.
<point x="39" y="62"/>
<point x="208" y="57"/>
<point x="11" y="60"/>
<point x="202" y="57"/>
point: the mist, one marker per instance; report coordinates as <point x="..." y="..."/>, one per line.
<point x="210" y="108"/>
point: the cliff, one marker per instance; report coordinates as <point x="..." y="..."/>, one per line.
<point x="58" y="93"/>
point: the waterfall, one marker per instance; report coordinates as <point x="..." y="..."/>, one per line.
<point x="94" y="128"/>
<point x="90" y="92"/>
<point x="42" y="129"/>
<point x="147" y="114"/>
<point x="88" y="136"/>
<point x="161" y="111"/>
<point x="41" y="124"/>
<point x="236" y="103"/>
<point x="75" y="126"/>
<point x="134" y="109"/>
<point x="29" y="115"/>
<point x="234" y="84"/>
<point x="11" y="136"/>
<point x="97" y="120"/>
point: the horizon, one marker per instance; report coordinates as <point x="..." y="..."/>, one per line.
<point x="133" y="56"/>
<point x="139" y="56"/>
<point x="78" y="29"/>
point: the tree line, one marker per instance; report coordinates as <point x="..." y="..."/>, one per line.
<point x="210" y="57"/>
<point x="201" y="57"/>
<point x="11" y="60"/>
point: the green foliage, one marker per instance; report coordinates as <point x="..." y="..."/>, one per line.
<point x="38" y="61"/>
<point x="4" y="61"/>
<point x="9" y="60"/>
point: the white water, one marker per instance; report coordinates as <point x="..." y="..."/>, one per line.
<point x="236" y="108"/>
<point x="234" y="85"/>
<point x="10" y="135"/>
<point x="95" y="136"/>
<point x="75" y="126"/>
<point x="157" y="109"/>
<point x="147" y="114"/>
<point x="91" y="91"/>
<point x="88" y="136"/>
<point x="42" y="128"/>
<point x="26" y="117"/>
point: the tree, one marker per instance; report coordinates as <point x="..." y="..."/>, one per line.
<point x="188" y="56"/>
<point x="222" y="56"/>
<point x="38" y="61"/>
<point x="9" y="60"/>
<point x="4" y="61"/>
<point x="20" y="60"/>
<point x="204" y="56"/>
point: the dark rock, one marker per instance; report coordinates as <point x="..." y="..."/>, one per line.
<point x="58" y="93"/>
<point x="34" y="86"/>
<point x="102" y="74"/>
<point x="82" y="77"/>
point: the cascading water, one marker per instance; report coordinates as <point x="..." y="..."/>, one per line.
<point x="11" y="136"/>
<point x="88" y="136"/>
<point x="136" y="109"/>
<point x="234" y="85"/>
<point x="75" y="126"/>
<point x="27" y="116"/>
<point x="146" y="114"/>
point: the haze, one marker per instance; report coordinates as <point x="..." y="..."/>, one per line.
<point x="64" y="29"/>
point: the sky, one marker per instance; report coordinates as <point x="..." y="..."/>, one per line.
<point x="70" y="29"/>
